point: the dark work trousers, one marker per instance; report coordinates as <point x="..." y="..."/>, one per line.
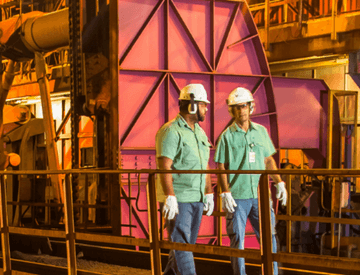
<point x="183" y="229"/>
<point x="235" y="227"/>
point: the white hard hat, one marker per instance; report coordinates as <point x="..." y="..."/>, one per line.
<point x="197" y="90"/>
<point x="239" y="95"/>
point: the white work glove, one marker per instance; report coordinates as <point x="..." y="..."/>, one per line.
<point x="228" y="202"/>
<point x="209" y="205"/>
<point x="281" y="193"/>
<point x="171" y="207"/>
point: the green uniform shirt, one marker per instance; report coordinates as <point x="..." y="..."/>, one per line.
<point x="189" y="150"/>
<point x="240" y="150"/>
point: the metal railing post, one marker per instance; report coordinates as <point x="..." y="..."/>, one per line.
<point x="265" y="226"/>
<point x="332" y="213"/>
<point x="130" y="203"/>
<point x="288" y="212"/>
<point x="153" y="227"/>
<point x="69" y="226"/>
<point x="219" y="218"/>
<point x="330" y="130"/>
<point x="5" y="238"/>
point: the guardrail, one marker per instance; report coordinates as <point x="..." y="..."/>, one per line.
<point x="155" y="244"/>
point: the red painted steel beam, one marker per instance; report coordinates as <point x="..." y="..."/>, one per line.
<point x="132" y="124"/>
<point x="192" y="39"/>
<point x="242" y="40"/>
<point x="226" y="35"/>
<point x="148" y="19"/>
<point x="192" y="72"/>
<point x="257" y="86"/>
<point x="166" y="34"/>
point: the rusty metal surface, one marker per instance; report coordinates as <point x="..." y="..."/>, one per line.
<point x="324" y="263"/>
<point x="37" y="232"/>
<point x="112" y="239"/>
<point x="212" y="249"/>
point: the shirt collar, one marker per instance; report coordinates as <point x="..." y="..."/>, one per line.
<point x="182" y="122"/>
<point x="234" y="127"/>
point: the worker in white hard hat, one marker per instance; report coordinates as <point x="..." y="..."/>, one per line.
<point x="245" y="145"/>
<point x="181" y="144"/>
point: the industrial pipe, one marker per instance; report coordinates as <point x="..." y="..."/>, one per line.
<point x="46" y="32"/>
<point x="34" y="31"/>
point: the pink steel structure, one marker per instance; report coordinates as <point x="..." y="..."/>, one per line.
<point x="167" y="44"/>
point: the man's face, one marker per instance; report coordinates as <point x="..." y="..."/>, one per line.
<point x="202" y="110"/>
<point x="241" y="112"/>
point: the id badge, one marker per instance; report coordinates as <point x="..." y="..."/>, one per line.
<point x="251" y="156"/>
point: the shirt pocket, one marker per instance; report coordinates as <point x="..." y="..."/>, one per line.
<point x="205" y="150"/>
<point x="259" y="149"/>
<point x="230" y="224"/>
<point x="189" y="153"/>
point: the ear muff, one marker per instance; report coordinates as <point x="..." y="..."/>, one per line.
<point x="192" y="106"/>
<point x="251" y="107"/>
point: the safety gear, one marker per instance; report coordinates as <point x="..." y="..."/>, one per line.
<point x="228" y="202"/>
<point x="209" y="205"/>
<point x="171" y="207"/>
<point x="193" y="92"/>
<point x="240" y="95"/>
<point x="281" y="193"/>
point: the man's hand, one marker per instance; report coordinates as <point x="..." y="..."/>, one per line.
<point x="209" y="205"/>
<point x="228" y="202"/>
<point x="170" y="208"/>
<point x="281" y="193"/>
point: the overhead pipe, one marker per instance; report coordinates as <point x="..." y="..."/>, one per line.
<point x="34" y="31"/>
<point x="46" y="32"/>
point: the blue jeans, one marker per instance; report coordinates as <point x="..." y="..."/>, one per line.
<point x="235" y="227"/>
<point x="184" y="229"/>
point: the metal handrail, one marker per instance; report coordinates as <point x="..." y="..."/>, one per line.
<point x="265" y="255"/>
<point x="327" y="172"/>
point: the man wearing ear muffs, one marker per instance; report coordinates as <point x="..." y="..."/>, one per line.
<point x="181" y="144"/>
<point x="245" y="145"/>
